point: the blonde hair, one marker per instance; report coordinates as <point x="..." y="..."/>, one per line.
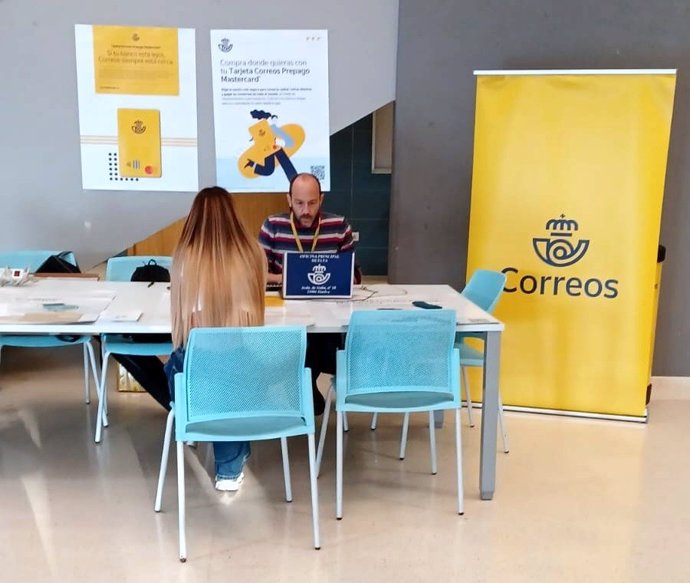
<point x="218" y="273"/>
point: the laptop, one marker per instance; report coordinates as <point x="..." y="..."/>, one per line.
<point x="318" y="275"/>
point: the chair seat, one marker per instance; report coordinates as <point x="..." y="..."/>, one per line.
<point x="47" y="341"/>
<point x="470" y="356"/>
<point x="246" y="429"/>
<point x="120" y="344"/>
<point x="399" y="401"/>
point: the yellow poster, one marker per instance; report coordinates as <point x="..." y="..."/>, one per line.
<point x="136" y="61"/>
<point x="567" y="190"/>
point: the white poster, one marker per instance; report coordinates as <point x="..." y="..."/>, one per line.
<point x="270" y="100"/>
<point x="137" y="108"/>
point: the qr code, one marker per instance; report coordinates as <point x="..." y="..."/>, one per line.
<point x="319" y="171"/>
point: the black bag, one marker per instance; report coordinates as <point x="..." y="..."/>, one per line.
<point x="152" y="273"/>
<point x="58" y="264"/>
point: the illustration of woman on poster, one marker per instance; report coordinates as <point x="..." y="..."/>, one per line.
<point x="272" y="145"/>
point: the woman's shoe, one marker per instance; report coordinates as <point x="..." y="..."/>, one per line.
<point x="229" y="484"/>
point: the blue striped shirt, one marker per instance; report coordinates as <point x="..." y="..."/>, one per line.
<point x="276" y="237"/>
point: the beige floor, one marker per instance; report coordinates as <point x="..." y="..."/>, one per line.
<point x="577" y="500"/>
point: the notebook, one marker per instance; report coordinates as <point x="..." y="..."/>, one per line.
<point x="318" y="275"/>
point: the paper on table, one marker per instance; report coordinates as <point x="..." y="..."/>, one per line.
<point x="49" y="318"/>
<point x="127" y="316"/>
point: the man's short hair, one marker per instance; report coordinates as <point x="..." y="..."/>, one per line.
<point x="303" y="175"/>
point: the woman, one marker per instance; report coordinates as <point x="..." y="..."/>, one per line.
<point x="218" y="278"/>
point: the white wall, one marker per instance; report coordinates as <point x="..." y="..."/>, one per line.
<point x="42" y="204"/>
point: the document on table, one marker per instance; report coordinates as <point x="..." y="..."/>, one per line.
<point x="125" y="316"/>
<point x="47" y="317"/>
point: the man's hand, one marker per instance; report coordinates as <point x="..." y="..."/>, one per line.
<point x="274" y="278"/>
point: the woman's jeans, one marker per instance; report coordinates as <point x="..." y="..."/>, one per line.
<point x="230" y="455"/>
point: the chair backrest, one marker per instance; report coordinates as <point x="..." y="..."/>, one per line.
<point x="400" y="351"/>
<point x="243" y="372"/>
<point x="31" y="259"/>
<point x="122" y="268"/>
<point x="485" y="288"/>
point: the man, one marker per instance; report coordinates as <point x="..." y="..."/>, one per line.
<point x="306" y="228"/>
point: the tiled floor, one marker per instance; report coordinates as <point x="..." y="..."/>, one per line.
<point x="577" y="500"/>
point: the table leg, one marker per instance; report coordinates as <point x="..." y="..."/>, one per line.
<point x="487" y="463"/>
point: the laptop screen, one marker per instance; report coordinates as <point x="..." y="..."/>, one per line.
<point x="318" y="275"/>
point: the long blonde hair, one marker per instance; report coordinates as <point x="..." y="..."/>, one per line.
<point x="219" y="272"/>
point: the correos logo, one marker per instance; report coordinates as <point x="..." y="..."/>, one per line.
<point x="225" y="45"/>
<point x="318" y="275"/>
<point x="561" y="248"/>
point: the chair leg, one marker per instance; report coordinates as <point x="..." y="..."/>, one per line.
<point x="374" y="420"/>
<point x="286" y="469"/>
<point x="501" y="425"/>
<point x="314" y="492"/>
<point x="164" y="461"/>
<point x="339" y="465"/>
<point x="87" y="385"/>
<point x="346" y="427"/>
<point x="93" y="367"/>
<point x="403" y="437"/>
<point x="468" y="396"/>
<point x="324" y="428"/>
<point x="432" y="443"/>
<point x="181" y="501"/>
<point x="458" y="461"/>
<point x="102" y="389"/>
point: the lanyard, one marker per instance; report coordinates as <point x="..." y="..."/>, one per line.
<point x="296" y="236"/>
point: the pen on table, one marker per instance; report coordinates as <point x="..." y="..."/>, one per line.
<point x="149" y="285"/>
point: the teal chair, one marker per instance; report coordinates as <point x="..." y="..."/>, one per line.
<point x="32" y="260"/>
<point x="484" y="290"/>
<point x="121" y="269"/>
<point x="219" y="397"/>
<point x="399" y="362"/>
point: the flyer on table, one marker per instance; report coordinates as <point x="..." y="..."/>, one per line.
<point x="137" y="108"/>
<point x="270" y="98"/>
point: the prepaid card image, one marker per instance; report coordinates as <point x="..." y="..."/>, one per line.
<point x="139" y="142"/>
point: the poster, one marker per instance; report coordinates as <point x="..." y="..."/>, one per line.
<point x="567" y="191"/>
<point x="137" y="108"/>
<point x="270" y="102"/>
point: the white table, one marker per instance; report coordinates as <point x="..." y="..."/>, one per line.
<point x="318" y="315"/>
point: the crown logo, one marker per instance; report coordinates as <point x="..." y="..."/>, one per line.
<point x="318" y="275"/>
<point x="225" y="45"/>
<point x="138" y="127"/>
<point x="559" y="249"/>
<point x="562" y="226"/>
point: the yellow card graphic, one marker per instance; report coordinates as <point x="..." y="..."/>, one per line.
<point x="136" y="61"/>
<point x="139" y="142"/>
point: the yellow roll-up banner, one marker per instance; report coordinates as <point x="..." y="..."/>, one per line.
<point x="567" y="190"/>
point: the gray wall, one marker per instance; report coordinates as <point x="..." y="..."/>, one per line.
<point x="441" y="42"/>
<point x="360" y="195"/>
<point x="42" y="203"/>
